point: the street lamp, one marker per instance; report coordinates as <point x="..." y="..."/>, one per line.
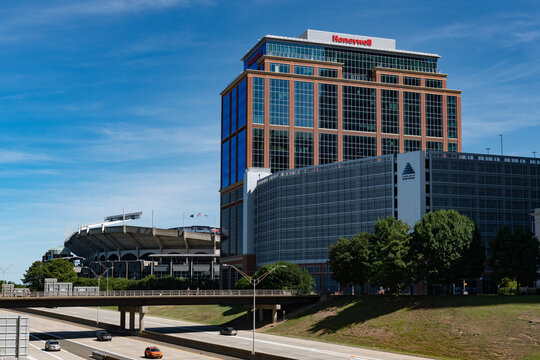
<point x="99" y="287"/>
<point x="254" y="281"/>
<point x="4" y="273"/>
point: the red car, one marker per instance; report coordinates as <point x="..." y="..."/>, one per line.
<point x="152" y="352"/>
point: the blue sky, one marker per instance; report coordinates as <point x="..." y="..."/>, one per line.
<point x="114" y="104"/>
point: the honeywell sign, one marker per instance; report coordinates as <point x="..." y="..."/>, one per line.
<point x="349" y="40"/>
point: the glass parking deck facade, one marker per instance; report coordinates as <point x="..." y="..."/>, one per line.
<point x="324" y="98"/>
<point x="301" y="212"/>
<point x="494" y="191"/>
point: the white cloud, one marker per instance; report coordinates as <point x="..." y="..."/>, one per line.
<point x="14" y="156"/>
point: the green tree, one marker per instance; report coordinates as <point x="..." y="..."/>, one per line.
<point x="33" y="277"/>
<point x="515" y="256"/>
<point x="350" y="260"/>
<point x="290" y="277"/>
<point x="392" y="260"/>
<point x="441" y="239"/>
<point x="61" y="270"/>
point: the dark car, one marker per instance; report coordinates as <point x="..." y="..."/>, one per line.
<point x="103" y="336"/>
<point x="228" y="331"/>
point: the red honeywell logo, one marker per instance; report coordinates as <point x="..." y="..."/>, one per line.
<point x="350" y="41"/>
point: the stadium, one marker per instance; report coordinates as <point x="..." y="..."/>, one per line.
<point x="116" y="249"/>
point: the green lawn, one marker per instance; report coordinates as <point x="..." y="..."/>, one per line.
<point x="445" y="327"/>
<point x="204" y="314"/>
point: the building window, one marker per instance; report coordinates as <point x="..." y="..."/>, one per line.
<point x="434" y="121"/>
<point x="412" y="81"/>
<point x="390" y="111"/>
<point x="327" y="148"/>
<point x="303" y="70"/>
<point x="242" y="99"/>
<point x="327" y="106"/>
<point x="240" y="230"/>
<point x="225" y="232"/>
<point x="390" y="79"/>
<point x="225" y="164"/>
<point x="279" y="68"/>
<point x="279" y="102"/>
<point x="241" y="167"/>
<point x="390" y="146"/>
<point x="303" y="149"/>
<point x="434" y="145"/>
<point x="258" y="148"/>
<point x="226" y="115"/>
<point x="359" y="109"/>
<point x="451" y="113"/>
<point x="233" y="160"/>
<point x="357" y="147"/>
<point x="412" y="145"/>
<point x="303" y="104"/>
<point x="258" y="100"/>
<point x="412" y="116"/>
<point x="434" y="83"/>
<point x="233" y="109"/>
<point x="279" y="150"/>
<point x="452" y="147"/>
<point x="325" y="72"/>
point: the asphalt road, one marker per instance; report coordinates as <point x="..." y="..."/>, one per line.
<point x="271" y="344"/>
<point x="78" y="342"/>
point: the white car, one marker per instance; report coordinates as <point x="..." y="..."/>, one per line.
<point x="52" y="345"/>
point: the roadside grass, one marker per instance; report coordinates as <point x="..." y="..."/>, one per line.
<point x="444" y="327"/>
<point x="204" y="314"/>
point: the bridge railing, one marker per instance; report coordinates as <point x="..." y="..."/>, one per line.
<point x="172" y="293"/>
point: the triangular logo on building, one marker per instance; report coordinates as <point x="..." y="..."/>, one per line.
<point x="408" y="172"/>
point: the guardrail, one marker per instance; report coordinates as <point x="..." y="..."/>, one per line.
<point x="139" y="293"/>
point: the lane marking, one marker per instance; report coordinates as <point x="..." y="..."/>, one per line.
<point x="76" y="342"/>
<point x="40" y="349"/>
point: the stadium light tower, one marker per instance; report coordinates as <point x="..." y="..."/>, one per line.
<point x="254" y="281"/>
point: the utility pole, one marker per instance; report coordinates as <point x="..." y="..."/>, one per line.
<point x="487" y="149"/>
<point x="501" y="143"/>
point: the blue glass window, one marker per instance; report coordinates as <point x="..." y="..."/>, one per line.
<point x="279" y="102"/>
<point x="242" y="104"/>
<point x="224" y="232"/>
<point x="279" y="68"/>
<point x="251" y="62"/>
<point x="241" y="167"/>
<point x="328" y="72"/>
<point x="225" y="115"/>
<point x="232" y="231"/>
<point x="233" y="160"/>
<point x="451" y="113"/>
<point x="327" y="106"/>
<point x="233" y="110"/>
<point x="258" y="148"/>
<point x="225" y="164"/>
<point x="303" y="70"/>
<point x="303" y="104"/>
<point x="258" y="100"/>
<point x="239" y="230"/>
<point x="434" y="83"/>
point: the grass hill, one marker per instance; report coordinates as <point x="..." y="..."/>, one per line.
<point x="444" y="327"/>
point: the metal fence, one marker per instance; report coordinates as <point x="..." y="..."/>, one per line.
<point x="170" y="293"/>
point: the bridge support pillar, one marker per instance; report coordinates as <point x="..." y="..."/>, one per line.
<point x="132" y="320"/>
<point x="132" y="310"/>
<point x="261" y="314"/>
<point x="123" y="319"/>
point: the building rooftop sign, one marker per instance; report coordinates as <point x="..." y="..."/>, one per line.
<point x="349" y="40"/>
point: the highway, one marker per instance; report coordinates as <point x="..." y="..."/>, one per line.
<point x="78" y="342"/>
<point x="270" y="344"/>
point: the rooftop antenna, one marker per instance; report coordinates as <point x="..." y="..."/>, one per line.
<point x="534" y="153"/>
<point x="501" y="143"/>
<point x="487" y="149"/>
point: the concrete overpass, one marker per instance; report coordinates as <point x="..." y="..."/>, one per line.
<point x="138" y="301"/>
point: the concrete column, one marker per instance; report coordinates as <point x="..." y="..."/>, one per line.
<point x="261" y="314"/>
<point x="274" y="315"/>
<point x="141" y="321"/>
<point x="132" y="320"/>
<point x="123" y="319"/>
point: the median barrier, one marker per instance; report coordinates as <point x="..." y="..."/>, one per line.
<point x="100" y="355"/>
<point x="191" y="343"/>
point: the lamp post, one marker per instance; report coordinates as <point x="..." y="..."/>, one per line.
<point x="254" y="281"/>
<point x="99" y="287"/>
<point x="4" y="273"/>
